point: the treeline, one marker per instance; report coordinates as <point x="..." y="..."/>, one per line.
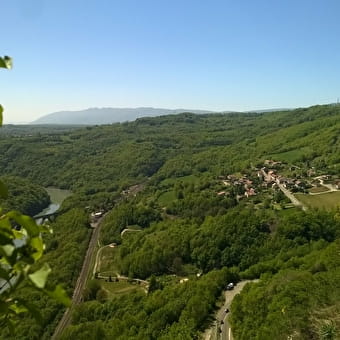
<point x="112" y="157"/>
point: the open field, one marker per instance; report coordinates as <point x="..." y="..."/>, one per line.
<point x="315" y="190"/>
<point x="326" y="201"/>
<point x="184" y="180"/>
<point x="166" y="198"/>
<point x="108" y="260"/>
<point x="292" y="155"/>
<point x="119" y="288"/>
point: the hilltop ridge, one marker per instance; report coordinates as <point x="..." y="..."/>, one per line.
<point x="107" y="115"/>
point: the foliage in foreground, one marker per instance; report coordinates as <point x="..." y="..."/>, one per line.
<point x="21" y="247"/>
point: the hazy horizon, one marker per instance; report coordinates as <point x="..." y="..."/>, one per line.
<point x="143" y="107"/>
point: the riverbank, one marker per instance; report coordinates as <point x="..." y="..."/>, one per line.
<point x="57" y="196"/>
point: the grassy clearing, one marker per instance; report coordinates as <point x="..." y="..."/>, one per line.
<point x="326" y="201"/>
<point x="185" y="179"/>
<point x="166" y="198"/>
<point x="291" y="156"/>
<point x="318" y="189"/>
<point x="108" y="260"/>
<point x="119" y="288"/>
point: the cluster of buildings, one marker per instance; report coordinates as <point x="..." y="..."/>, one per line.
<point x="270" y="177"/>
<point x="242" y="182"/>
<point x="133" y="190"/>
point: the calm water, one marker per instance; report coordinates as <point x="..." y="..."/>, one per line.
<point x="57" y="197"/>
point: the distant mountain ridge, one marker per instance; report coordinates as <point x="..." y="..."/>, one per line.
<point x="270" y="110"/>
<point x="108" y="115"/>
<point x="98" y="116"/>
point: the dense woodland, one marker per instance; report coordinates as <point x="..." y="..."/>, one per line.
<point x="185" y="229"/>
<point x="25" y="196"/>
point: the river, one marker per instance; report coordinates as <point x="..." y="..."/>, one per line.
<point x="57" y="196"/>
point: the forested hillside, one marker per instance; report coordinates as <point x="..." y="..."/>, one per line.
<point x="193" y="202"/>
<point x="24" y="196"/>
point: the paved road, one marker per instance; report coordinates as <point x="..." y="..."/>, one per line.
<point x="224" y="330"/>
<point x="292" y="198"/>
<point x="287" y="193"/>
<point x="328" y="186"/>
<point x="81" y="282"/>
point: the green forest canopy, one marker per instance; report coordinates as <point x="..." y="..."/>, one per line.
<point x="187" y="229"/>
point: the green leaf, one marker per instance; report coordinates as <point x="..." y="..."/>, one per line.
<point x="27" y="222"/>
<point x="45" y="228"/>
<point x="6" y="62"/>
<point x="6" y="236"/>
<point x="4" y="274"/>
<point x="1" y="111"/>
<point x="18" y="308"/>
<point x="3" y="188"/>
<point x="39" y="277"/>
<point x="60" y="295"/>
<point x="38" y="245"/>
<point x="7" y="249"/>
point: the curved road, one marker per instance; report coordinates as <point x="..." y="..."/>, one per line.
<point x="96" y="267"/>
<point x="81" y="282"/>
<point x="128" y="230"/>
<point x="221" y="329"/>
<point x="222" y="316"/>
<point x="97" y="262"/>
<point x="328" y="186"/>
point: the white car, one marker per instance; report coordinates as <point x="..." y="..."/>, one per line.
<point x="230" y="286"/>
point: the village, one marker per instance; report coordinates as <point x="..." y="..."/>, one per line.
<point x="274" y="177"/>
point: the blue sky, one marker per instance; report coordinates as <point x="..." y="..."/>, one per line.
<point x="198" y="54"/>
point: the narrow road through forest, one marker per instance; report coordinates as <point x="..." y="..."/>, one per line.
<point x="81" y="282"/>
<point x="221" y="329"/>
<point x="222" y="315"/>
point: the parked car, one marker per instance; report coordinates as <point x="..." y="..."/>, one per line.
<point x="230" y="286"/>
